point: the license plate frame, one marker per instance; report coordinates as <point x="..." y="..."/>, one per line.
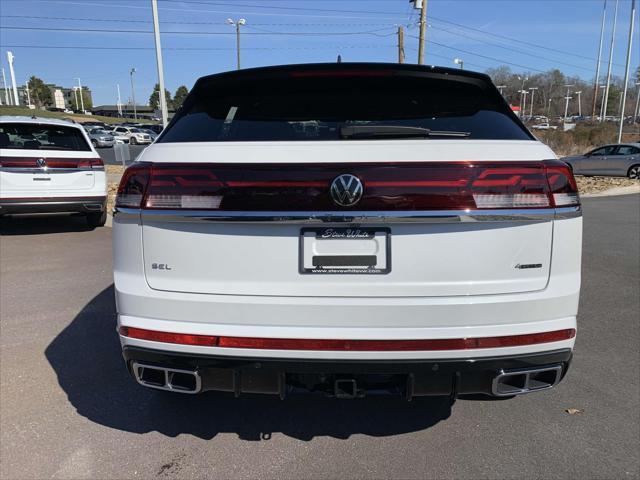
<point x="322" y="263"/>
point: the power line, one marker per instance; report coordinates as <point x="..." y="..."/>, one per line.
<point x="533" y="55"/>
<point x="174" y="22"/>
<point x="110" y="30"/>
<point x="84" y="47"/>
<point x="481" y="55"/>
<point x="511" y="39"/>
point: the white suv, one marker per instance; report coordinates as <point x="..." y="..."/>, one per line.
<point x="50" y="166"/>
<point x="135" y="135"/>
<point x="345" y="229"/>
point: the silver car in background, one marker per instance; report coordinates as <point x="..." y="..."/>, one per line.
<point x="616" y="160"/>
<point x="100" y="138"/>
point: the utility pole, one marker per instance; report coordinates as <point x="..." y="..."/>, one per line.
<point x="133" y="94"/>
<point x="613" y="38"/>
<point x="524" y="103"/>
<point x="423" y="30"/>
<point x="81" y="96"/>
<point x="400" y="44"/>
<point x="237" y="24"/>
<point x="119" y="105"/>
<point x="566" y="105"/>
<point x="597" y="80"/>
<point x="156" y="33"/>
<point x="75" y="94"/>
<point x="10" y="58"/>
<point x="626" y="70"/>
<point x="579" y="92"/>
<point x="533" y="92"/>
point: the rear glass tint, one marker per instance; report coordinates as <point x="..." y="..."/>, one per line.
<point x="304" y="108"/>
<point x="28" y="136"/>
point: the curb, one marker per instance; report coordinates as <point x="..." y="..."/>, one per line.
<point x="631" y="189"/>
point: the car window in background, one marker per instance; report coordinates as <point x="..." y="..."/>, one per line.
<point x="608" y="150"/>
<point x="627" y="150"/>
<point x="24" y="136"/>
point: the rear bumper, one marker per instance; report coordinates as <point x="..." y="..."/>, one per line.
<point x="53" y="205"/>
<point x="408" y="378"/>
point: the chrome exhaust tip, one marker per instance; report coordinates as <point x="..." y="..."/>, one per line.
<point x="517" y="382"/>
<point x="170" y="379"/>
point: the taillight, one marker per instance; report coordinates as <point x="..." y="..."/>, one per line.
<point x="133" y="185"/>
<point x="562" y="184"/>
<point x="93" y="163"/>
<point x="407" y="186"/>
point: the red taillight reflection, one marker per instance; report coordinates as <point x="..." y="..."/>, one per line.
<point x="350" y="345"/>
<point x="166" y="337"/>
<point x="408" y="186"/>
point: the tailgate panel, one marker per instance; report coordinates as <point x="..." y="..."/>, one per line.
<point x="427" y="260"/>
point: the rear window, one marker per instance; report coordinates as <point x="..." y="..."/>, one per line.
<point x="27" y="136"/>
<point x="342" y="107"/>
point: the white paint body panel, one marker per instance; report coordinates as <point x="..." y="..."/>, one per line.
<point x="447" y="281"/>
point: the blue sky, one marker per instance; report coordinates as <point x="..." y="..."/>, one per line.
<point x="560" y="34"/>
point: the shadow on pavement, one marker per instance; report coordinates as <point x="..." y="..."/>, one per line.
<point x="87" y="360"/>
<point x="42" y="224"/>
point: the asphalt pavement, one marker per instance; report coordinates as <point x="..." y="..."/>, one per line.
<point x="68" y="408"/>
<point x="108" y="155"/>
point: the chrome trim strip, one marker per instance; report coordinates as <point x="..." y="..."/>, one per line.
<point x="50" y="169"/>
<point x="383" y="217"/>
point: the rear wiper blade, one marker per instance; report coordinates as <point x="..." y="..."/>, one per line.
<point x="395" y="131"/>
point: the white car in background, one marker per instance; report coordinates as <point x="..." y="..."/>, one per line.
<point x="50" y="166"/>
<point x="418" y="240"/>
<point x="133" y="134"/>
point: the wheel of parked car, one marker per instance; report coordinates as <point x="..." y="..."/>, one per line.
<point x="634" y="172"/>
<point x="133" y="141"/>
<point x="97" y="219"/>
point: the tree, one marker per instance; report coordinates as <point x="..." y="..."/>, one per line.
<point x="154" y="99"/>
<point x="179" y="96"/>
<point x="77" y="103"/>
<point x="40" y="93"/>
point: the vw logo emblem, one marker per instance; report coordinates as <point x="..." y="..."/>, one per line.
<point x="346" y="190"/>
<point x="42" y="163"/>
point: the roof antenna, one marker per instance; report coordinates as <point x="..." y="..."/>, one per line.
<point x="339" y="58"/>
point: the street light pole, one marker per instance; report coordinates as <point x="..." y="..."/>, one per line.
<point x="601" y="117"/>
<point x="636" y="111"/>
<point x="613" y="38"/>
<point x="524" y="103"/>
<point x="10" y="58"/>
<point x="156" y="33"/>
<point x="626" y="70"/>
<point x="237" y="24"/>
<point x="501" y="88"/>
<point x="133" y="94"/>
<point x="566" y="105"/>
<point x="459" y="61"/>
<point x="7" y="101"/>
<point x="533" y="92"/>
<point x="579" y="92"/>
<point x="119" y="106"/>
<point x="80" y="93"/>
